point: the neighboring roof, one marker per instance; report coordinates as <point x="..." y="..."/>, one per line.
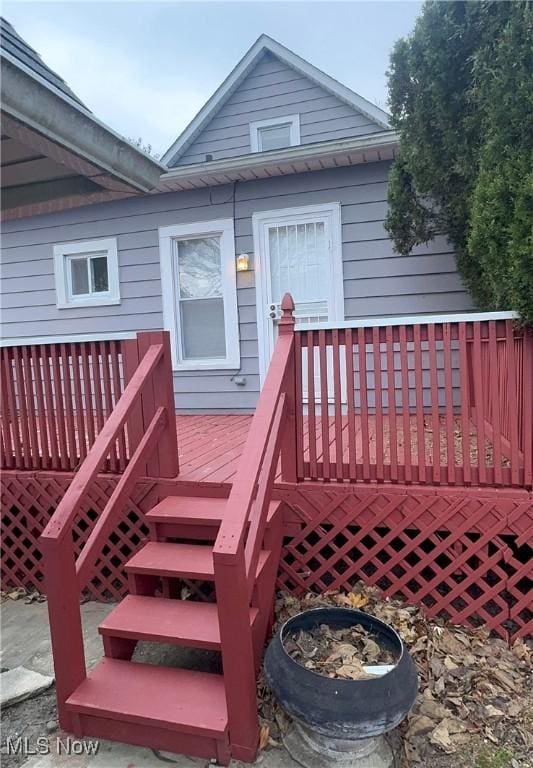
<point x="262" y="45"/>
<point x="55" y="153"/>
<point x="370" y="148"/>
<point x="13" y="43"/>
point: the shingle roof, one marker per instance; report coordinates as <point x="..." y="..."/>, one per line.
<point x="12" y="43"/>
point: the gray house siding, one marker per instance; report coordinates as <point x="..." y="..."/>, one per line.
<point x="377" y="281"/>
<point x="273" y="89"/>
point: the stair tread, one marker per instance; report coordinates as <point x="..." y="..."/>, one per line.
<point x="164" y="620"/>
<point x="194" y="561"/>
<point x="195" y="509"/>
<point x="191" y="561"/>
<point x="178" y="699"/>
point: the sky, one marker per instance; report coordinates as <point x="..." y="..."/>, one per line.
<point x="146" y="68"/>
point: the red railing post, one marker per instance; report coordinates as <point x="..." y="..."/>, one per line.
<point x="147" y="399"/>
<point x="159" y="390"/>
<point x="527" y="408"/>
<point x="63" y="601"/>
<point x="237" y="651"/>
<point x="164" y="391"/>
<point x="130" y="363"/>
<point x="289" y="443"/>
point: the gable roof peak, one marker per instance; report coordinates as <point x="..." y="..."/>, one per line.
<point x="266" y="43"/>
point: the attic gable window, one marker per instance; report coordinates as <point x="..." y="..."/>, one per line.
<point x="276" y="133"/>
<point x="86" y="273"/>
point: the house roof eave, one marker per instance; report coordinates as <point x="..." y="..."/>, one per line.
<point x="308" y="157"/>
<point x="33" y="102"/>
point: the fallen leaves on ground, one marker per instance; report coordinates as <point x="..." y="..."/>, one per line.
<point x="21" y="593"/>
<point x="475" y="691"/>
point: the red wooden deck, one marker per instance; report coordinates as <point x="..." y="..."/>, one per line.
<point x="440" y="403"/>
<point x="210" y="445"/>
<point x="466" y="493"/>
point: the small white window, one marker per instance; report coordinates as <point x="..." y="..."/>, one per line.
<point x="200" y="294"/>
<point x="87" y="273"/>
<point x="277" y="133"/>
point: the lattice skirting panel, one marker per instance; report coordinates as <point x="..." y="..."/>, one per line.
<point x="462" y="555"/>
<point x="28" y="501"/>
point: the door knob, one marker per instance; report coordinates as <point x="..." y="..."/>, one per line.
<point x="273" y="315"/>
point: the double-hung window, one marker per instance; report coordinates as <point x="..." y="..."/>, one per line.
<point x="200" y="294"/>
<point x="276" y="133"/>
<point x="86" y="273"/>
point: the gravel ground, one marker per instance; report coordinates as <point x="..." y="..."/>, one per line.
<point x="28" y="719"/>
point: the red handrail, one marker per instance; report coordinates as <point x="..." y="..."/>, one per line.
<point x="105" y="523"/>
<point x="231" y="535"/>
<point x="240" y="536"/>
<point x="148" y="403"/>
<point x="259" y="509"/>
<point x="59" y="523"/>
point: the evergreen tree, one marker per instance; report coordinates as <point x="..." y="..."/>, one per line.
<point x="461" y="97"/>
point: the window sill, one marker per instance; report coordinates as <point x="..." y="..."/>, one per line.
<point x="89" y="303"/>
<point x="207" y="365"/>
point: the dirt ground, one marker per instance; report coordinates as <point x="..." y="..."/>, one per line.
<point x="29" y="720"/>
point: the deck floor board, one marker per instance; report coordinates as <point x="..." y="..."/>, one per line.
<point x="210" y="445"/>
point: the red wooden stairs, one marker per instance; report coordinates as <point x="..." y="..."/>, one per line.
<point x="234" y="543"/>
<point x="179" y="710"/>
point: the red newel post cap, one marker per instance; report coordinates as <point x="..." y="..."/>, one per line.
<point x="286" y="323"/>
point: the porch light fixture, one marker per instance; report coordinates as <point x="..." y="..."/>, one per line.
<point x="243" y="262"/>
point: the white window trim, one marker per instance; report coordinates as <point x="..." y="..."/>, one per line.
<point x="292" y="120"/>
<point x="167" y="235"/>
<point x="62" y="252"/>
<point x="260" y="221"/>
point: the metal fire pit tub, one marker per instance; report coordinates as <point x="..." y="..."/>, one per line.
<point x="341" y="722"/>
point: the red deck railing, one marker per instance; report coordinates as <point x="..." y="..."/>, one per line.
<point x="505" y="363"/>
<point x="439" y="403"/>
<point x="56" y="398"/>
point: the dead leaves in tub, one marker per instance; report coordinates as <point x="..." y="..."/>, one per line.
<point x="338" y="653"/>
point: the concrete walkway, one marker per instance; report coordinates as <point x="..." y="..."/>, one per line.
<point x="26" y="642"/>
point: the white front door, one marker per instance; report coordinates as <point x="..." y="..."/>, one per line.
<point x="297" y="250"/>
